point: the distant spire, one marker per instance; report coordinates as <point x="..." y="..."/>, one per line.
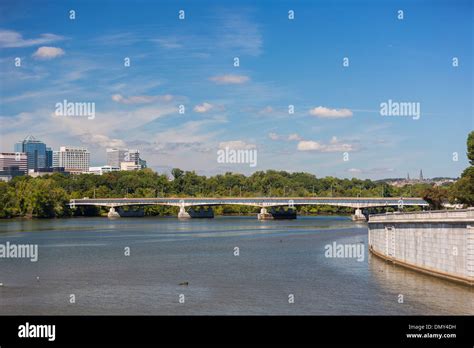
<point x="408" y="176"/>
<point x="421" y="175"/>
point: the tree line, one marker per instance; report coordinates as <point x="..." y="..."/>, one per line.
<point x="48" y="196"/>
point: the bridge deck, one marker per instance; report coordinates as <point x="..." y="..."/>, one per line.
<point x="356" y="202"/>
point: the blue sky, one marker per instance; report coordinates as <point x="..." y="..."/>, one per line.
<point x="299" y="62"/>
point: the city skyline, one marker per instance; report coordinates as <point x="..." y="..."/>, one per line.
<point x="337" y="106"/>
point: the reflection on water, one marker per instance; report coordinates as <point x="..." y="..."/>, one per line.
<point x="85" y="257"/>
<point x="428" y="294"/>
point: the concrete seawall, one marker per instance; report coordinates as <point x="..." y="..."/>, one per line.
<point x="439" y="243"/>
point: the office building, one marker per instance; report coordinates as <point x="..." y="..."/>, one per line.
<point x="12" y="164"/>
<point x="129" y="166"/>
<point x="117" y="156"/>
<point x="14" y="161"/>
<point x="73" y="159"/>
<point x="35" y="150"/>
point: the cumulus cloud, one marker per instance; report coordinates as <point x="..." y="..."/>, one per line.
<point x="236" y="144"/>
<point x="141" y="99"/>
<point x="324" y="112"/>
<point x="46" y="52"/>
<point x="309" y="145"/>
<point x="204" y="107"/>
<point x="230" y="79"/>
<point x="10" y="38"/>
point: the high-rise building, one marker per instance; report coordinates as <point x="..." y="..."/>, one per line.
<point x="72" y="159"/>
<point x="49" y="157"/>
<point x="35" y="150"/>
<point x="421" y="175"/>
<point x="115" y="156"/>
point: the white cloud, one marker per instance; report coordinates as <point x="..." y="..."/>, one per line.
<point x="294" y="136"/>
<point x="230" y="79"/>
<point x="273" y="136"/>
<point x="204" y="107"/>
<point x="371" y="171"/>
<point x="240" y="33"/>
<point x="236" y="144"/>
<point x="324" y="112"/>
<point x="101" y="140"/>
<point x="309" y="145"/>
<point x="10" y="38"/>
<point x="141" y="99"/>
<point x="168" y="43"/>
<point x="290" y="137"/>
<point x="46" y="52"/>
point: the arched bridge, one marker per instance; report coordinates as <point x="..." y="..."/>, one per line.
<point x="262" y="202"/>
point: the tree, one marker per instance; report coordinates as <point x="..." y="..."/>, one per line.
<point x="463" y="190"/>
<point x="470" y="148"/>
<point x="177" y="173"/>
<point x="435" y="196"/>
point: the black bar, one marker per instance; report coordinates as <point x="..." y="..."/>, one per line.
<point x="288" y="330"/>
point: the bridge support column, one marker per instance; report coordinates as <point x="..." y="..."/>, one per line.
<point x="113" y="213"/>
<point x="358" y="216"/>
<point x="264" y="215"/>
<point x="183" y="214"/>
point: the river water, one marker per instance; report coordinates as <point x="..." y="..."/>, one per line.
<point x="277" y="261"/>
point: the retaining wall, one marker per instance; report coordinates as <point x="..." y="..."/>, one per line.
<point x="440" y="243"/>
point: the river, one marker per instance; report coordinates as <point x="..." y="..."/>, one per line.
<point x="190" y="268"/>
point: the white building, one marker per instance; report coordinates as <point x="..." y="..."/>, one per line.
<point x="13" y="161"/>
<point x="103" y="169"/>
<point x="129" y="166"/>
<point x="74" y="159"/>
<point x="115" y="157"/>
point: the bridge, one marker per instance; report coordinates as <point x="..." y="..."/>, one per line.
<point x="262" y="202"/>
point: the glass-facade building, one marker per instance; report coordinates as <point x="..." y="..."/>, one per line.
<point x="36" y="152"/>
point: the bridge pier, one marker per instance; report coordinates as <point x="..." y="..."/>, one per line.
<point x="358" y="216"/>
<point x="264" y="214"/>
<point x="183" y="214"/>
<point x="113" y="213"/>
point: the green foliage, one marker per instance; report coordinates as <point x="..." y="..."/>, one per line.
<point x="470" y="148"/>
<point x="463" y="190"/>
<point x="48" y="196"/>
<point x="435" y="196"/>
